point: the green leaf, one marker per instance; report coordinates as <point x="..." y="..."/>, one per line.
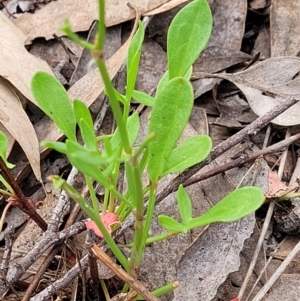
<point x="57" y="182"/>
<point x="184" y="205"/>
<point x="81" y="159"/>
<point x="143" y="98"/>
<point x="53" y="99"/>
<point x="85" y="159"/>
<point x="58" y="146"/>
<point x="171" y="224"/>
<point x="234" y="206"/>
<point x="81" y="111"/>
<point x="170" y="114"/>
<point x="165" y="78"/>
<point x="3" y="149"/>
<point x="188" y="34"/>
<point x="188" y="153"/>
<point x="132" y="127"/>
<point x="6" y="185"/>
<point x="88" y="135"/>
<point x="133" y="59"/>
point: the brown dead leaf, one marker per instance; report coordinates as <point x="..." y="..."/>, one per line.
<point x="165" y="7"/>
<point x="285" y="248"/>
<point x="277" y="189"/>
<point x="288" y="288"/>
<point x="263" y="44"/>
<point x="258" y="4"/>
<point x="47" y="21"/>
<point x="15" y="120"/>
<point x="267" y="84"/>
<point x="18" y="66"/>
<point x="285" y="28"/>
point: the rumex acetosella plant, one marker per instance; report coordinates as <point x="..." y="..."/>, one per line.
<point x="157" y="155"/>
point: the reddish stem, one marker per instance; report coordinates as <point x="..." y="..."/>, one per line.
<point x="20" y="199"/>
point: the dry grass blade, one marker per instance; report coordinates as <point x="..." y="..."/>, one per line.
<point x="122" y="274"/>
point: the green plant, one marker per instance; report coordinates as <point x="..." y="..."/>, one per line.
<point x="157" y="154"/>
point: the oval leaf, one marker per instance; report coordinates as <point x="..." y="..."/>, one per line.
<point x="165" y="78"/>
<point x="188" y="153"/>
<point x="53" y="99"/>
<point x="234" y="206"/>
<point x="187" y="39"/>
<point x="171" y="224"/>
<point x="84" y="159"/>
<point x="132" y="127"/>
<point x="184" y="205"/>
<point x="133" y="59"/>
<point x="170" y="114"/>
<point x="81" y="111"/>
<point x="88" y="135"/>
<point x="58" y="146"/>
<point x="143" y="98"/>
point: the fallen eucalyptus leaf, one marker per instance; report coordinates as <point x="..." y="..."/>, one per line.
<point x="267" y="84"/>
<point x="48" y="20"/>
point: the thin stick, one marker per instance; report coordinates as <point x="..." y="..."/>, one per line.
<point x="242" y="160"/>
<point x="251" y="129"/>
<point x="265" y="226"/>
<point x="20" y="200"/>
<point x="261" y="294"/>
<point x="122" y="274"/>
<point x="63" y="282"/>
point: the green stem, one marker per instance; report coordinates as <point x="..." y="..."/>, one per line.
<point x="135" y="185"/>
<point x="114" y="105"/>
<point x="143" y="145"/>
<point x="92" y="193"/>
<point x="99" y="44"/>
<point x="5" y="193"/>
<point x="288" y="196"/>
<point x="162" y="290"/>
<point x="112" y="97"/>
<point x="73" y="193"/>
<point x="105" y="201"/>
<point x="156" y="238"/>
<point x="66" y="28"/>
<point x="7" y="186"/>
<point x="149" y="215"/>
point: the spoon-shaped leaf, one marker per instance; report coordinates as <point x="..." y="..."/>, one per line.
<point x="188" y="34"/>
<point x="133" y="59"/>
<point x="88" y="135"/>
<point x="234" y="206"/>
<point x="170" y="113"/>
<point x="53" y="99"/>
<point x="184" y="205"/>
<point x="171" y="224"/>
<point x="188" y="153"/>
<point x="132" y="127"/>
<point x="81" y="111"/>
